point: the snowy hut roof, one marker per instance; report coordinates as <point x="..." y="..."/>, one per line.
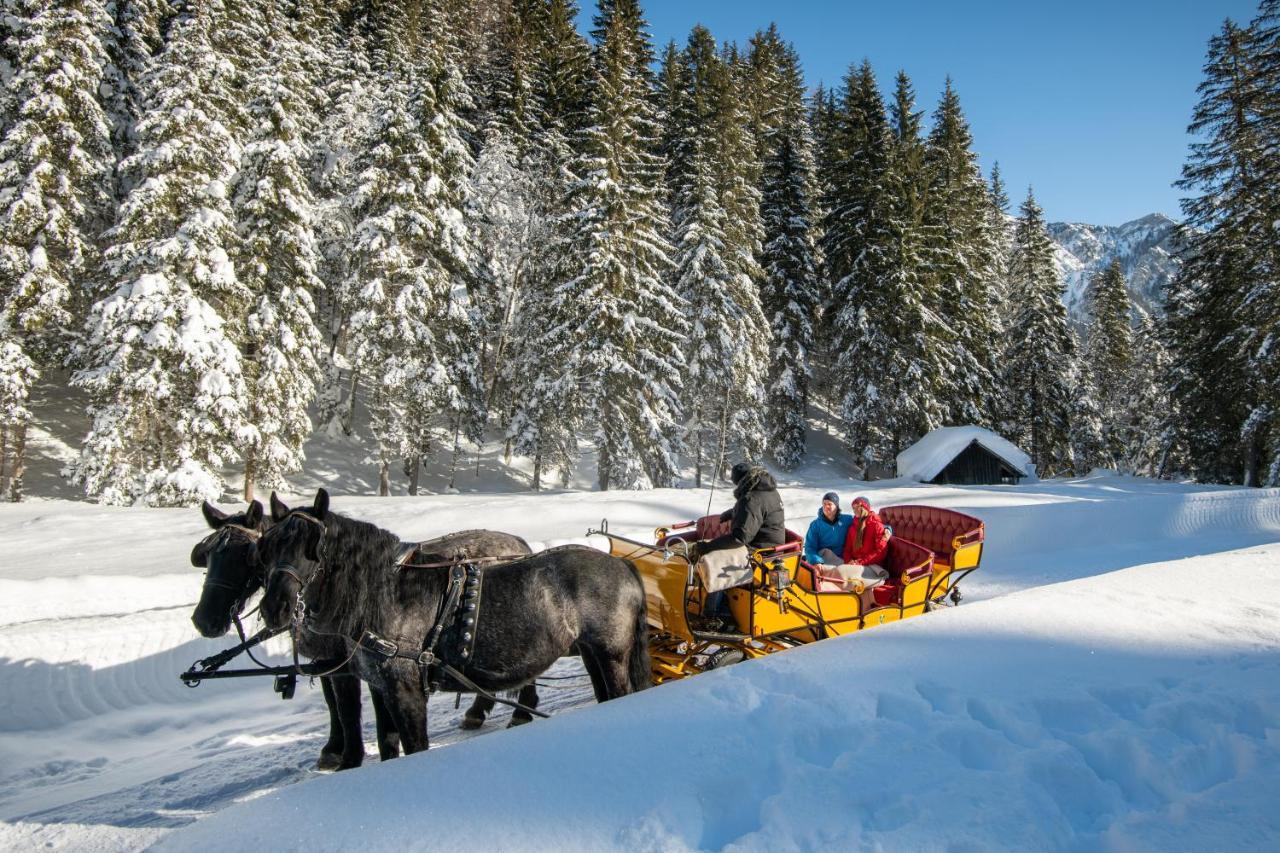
<point x="925" y="459"/>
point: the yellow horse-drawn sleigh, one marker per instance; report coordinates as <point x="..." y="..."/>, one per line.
<point x="787" y="601"/>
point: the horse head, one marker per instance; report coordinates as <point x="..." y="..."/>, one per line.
<point x="233" y="572"/>
<point x="293" y="555"/>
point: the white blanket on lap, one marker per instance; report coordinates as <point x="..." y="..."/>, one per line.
<point x="723" y="569"/>
<point x="858" y="578"/>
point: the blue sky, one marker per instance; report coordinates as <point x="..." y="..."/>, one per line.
<point x="1087" y="101"/>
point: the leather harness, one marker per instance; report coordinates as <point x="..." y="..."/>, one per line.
<point x="456" y="622"/>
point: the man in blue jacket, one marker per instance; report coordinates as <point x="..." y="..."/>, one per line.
<point x="824" y="542"/>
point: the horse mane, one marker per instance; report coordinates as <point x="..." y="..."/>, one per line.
<point x="359" y="575"/>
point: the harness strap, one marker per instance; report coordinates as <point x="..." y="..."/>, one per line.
<point x="389" y="649"/>
<point x="460" y="602"/>
<point x="457" y="561"/>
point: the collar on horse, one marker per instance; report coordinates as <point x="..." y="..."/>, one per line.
<point x="458" y="614"/>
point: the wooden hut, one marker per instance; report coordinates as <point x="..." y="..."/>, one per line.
<point x="966" y="455"/>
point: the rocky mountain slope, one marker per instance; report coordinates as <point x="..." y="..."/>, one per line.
<point x="1146" y="248"/>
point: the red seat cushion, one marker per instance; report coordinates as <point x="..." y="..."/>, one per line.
<point x="886" y="593"/>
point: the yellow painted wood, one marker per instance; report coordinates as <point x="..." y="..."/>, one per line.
<point x="967" y="556"/>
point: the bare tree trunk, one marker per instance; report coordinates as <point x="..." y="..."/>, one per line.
<point x="19" y="466"/>
<point x="457" y="452"/>
<point x="4" y="444"/>
<point x="697" y="459"/>
<point x="384" y="479"/>
<point x="349" y="414"/>
<point x="248" y="481"/>
<point x="415" y="467"/>
<point x="537" y="471"/>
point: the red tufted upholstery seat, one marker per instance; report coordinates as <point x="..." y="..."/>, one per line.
<point x="904" y="558"/>
<point x="710" y="526"/>
<point x="933" y="527"/>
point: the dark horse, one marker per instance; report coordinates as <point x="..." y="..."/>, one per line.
<point x="532" y="611"/>
<point x="474" y="544"/>
<point x="233" y="573"/>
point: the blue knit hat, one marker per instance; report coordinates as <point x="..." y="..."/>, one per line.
<point x="833" y="497"/>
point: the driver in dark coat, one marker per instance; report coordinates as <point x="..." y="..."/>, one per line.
<point x="756" y="519"/>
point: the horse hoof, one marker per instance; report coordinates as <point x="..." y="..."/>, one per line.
<point x="355" y="762"/>
<point x="519" y="721"/>
<point x="329" y="761"/>
<point x="469" y="722"/>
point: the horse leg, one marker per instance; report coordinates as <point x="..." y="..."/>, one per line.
<point x="609" y="670"/>
<point x="408" y="706"/>
<point x="528" y="697"/>
<point x="476" y="714"/>
<point x="346" y="693"/>
<point x="331" y="752"/>
<point x="594" y="671"/>
<point x="388" y="736"/>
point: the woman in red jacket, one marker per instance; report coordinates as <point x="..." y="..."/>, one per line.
<point x="867" y="543"/>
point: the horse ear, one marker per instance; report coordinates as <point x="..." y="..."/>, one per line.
<point x="214" y="516"/>
<point x="253" y="515"/>
<point x="321" y="507"/>
<point x="279" y="509"/>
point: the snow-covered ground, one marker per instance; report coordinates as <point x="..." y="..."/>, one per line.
<point x="1111" y="681"/>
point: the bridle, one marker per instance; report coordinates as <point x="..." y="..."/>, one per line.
<point x="247" y="535"/>
<point x="290" y="569"/>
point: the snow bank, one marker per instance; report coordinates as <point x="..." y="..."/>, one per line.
<point x="101" y="748"/>
<point x="925" y="459"/>
<point x="1115" y="712"/>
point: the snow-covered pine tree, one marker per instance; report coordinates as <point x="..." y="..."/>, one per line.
<point x="538" y="425"/>
<point x="963" y="257"/>
<point x="135" y="37"/>
<point x="348" y="119"/>
<point x="55" y="174"/>
<point x="1088" y="437"/>
<point x="1039" y="359"/>
<point x="410" y="257"/>
<point x="999" y="238"/>
<point x="168" y="394"/>
<point x="790" y="290"/>
<point x="17" y="375"/>
<point x="1154" y="448"/>
<point x="448" y="131"/>
<point x="824" y="386"/>
<point x="610" y="347"/>
<point x="1262" y="300"/>
<point x="12" y="21"/>
<point x="55" y="188"/>
<point x="1107" y="355"/>
<point x="276" y="257"/>
<point x="889" y="355"/>
<point x="1212" y="334"/>
<point x="715" y="263"/>
<point x="510" y="228"/>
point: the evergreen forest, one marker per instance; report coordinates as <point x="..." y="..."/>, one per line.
<point x="230" y="223"/>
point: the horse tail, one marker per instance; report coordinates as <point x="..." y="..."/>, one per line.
<point x="640" y="670"/>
